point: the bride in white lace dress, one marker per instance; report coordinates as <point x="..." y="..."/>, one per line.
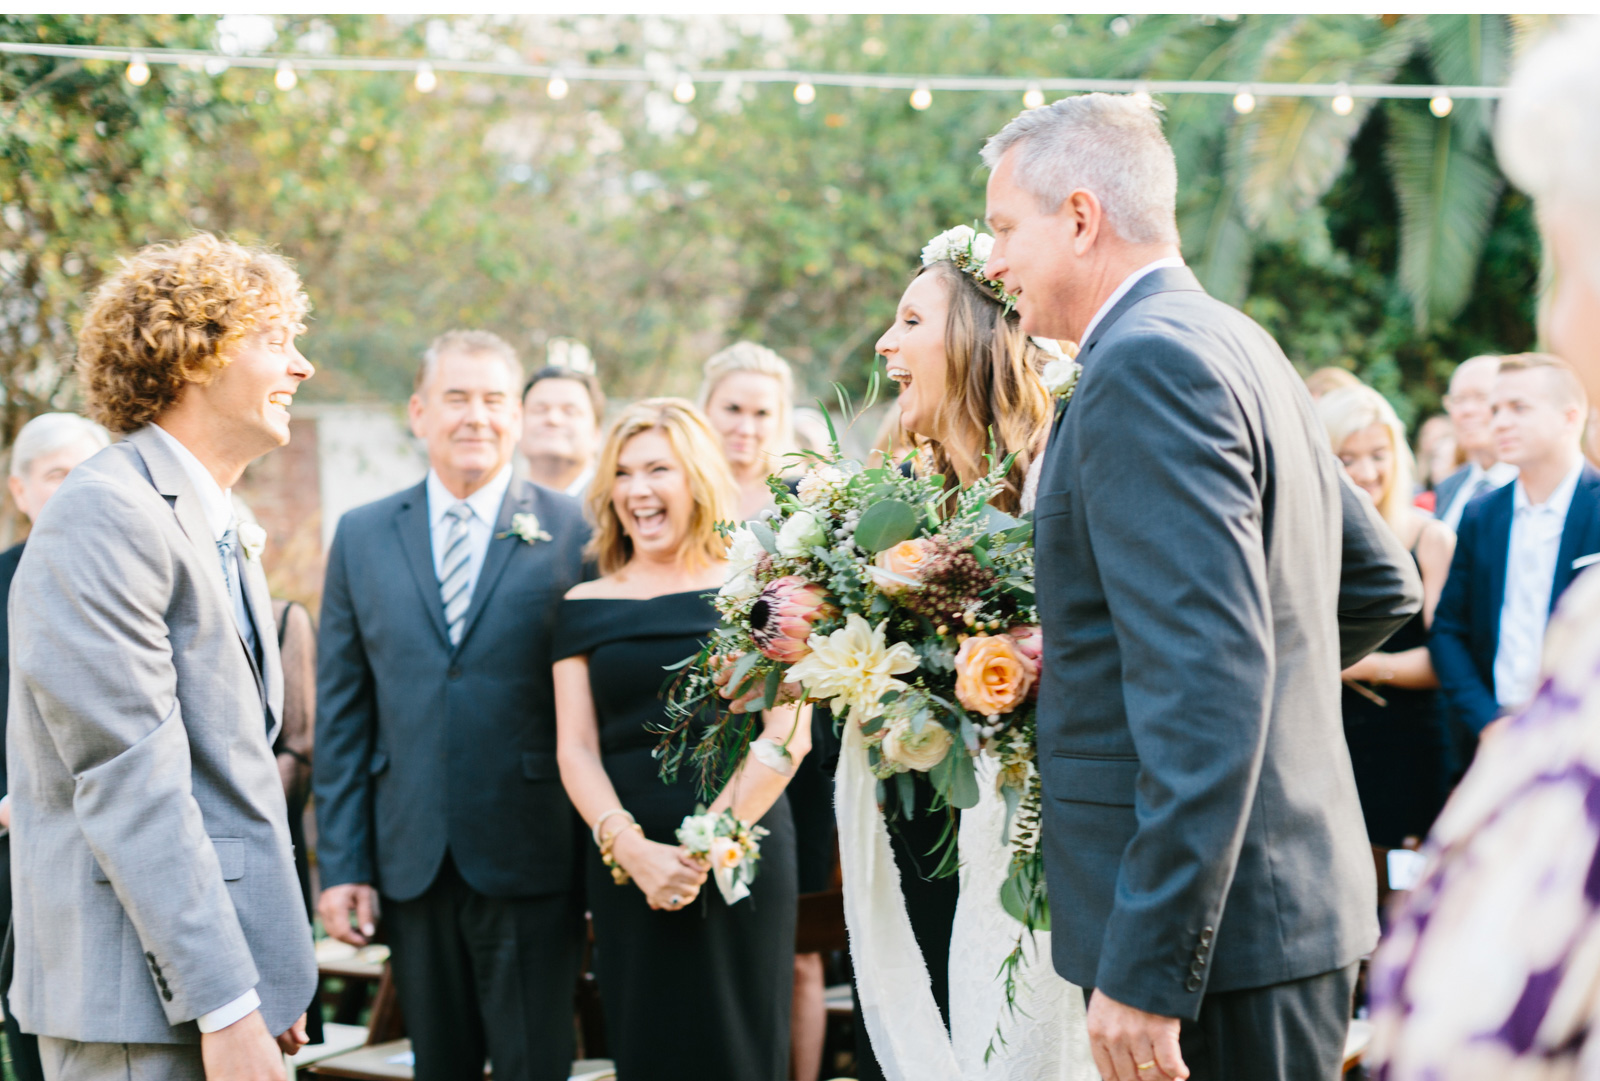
<point x="970" y="383"/>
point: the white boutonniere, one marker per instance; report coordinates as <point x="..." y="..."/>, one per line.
<point x="526" y="527"/>
<point x="252" y="539"/>
<point x="1060" y="371"/>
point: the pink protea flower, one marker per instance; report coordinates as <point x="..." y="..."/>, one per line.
<point x="781" y="618"/>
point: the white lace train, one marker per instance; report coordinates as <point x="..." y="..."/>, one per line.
<point x="1045" y="1039"/>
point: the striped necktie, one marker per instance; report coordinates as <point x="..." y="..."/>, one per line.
<point x="453" y="571"/>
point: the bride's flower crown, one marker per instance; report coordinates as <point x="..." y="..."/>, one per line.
<point x="969" y="250"/>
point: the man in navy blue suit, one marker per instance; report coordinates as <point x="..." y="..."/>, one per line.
<point x="1519" y="546"/>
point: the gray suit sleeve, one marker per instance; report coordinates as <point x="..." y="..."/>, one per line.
<point x="1174" y="514"/>
<point x="346" y="725"/>
<point x="93" y="650"/>
<point x="1379" y="588"/>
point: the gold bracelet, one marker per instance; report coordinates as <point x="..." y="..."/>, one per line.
<point x="618" y="875"/>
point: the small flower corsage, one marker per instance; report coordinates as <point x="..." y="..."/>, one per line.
<point x="1060" y="371"/>
<point x="252" y="539"/>
<point x="732" y="847"/>
<point x="525" y="527"/>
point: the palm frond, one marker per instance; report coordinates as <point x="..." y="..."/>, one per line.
<point x="1447" y="188"/>
<point x="1292" y="149"/>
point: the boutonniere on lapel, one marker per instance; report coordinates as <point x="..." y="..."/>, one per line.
<point x="252" y="539"/>
<point x="525" y="527"/>
<point x="1061" y="371"/>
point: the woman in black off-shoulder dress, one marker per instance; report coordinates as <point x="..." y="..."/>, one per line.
<point x="692" y="988"/>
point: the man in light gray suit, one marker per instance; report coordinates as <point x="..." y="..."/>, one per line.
<point x="1204" y="573"/>
<point x="159" y="926"/>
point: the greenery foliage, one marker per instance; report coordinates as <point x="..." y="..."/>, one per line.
<point x="1384" y="241"/>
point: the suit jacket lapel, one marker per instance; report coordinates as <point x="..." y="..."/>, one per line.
<point x="416" y="540"/>
<point x="519" y="500"/>
<point x="1497" y="539"/>
<point x="1575" y="533"/>
<point x="258" y="597"/>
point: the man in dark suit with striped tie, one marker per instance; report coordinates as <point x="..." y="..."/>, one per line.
<point x="435" y="776"/>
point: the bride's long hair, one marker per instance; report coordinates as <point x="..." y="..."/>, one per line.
<point x="992" y="385"/>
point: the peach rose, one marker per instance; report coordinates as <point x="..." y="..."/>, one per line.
<point x="992" y="675"/>
<point x="908" y="559"/>
<point x="1030" y="643"/>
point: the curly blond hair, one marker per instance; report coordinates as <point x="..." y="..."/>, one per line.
<point x="168" y="317"/>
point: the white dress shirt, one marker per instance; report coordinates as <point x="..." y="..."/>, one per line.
<point x="1122" y="290"/>
<point x="485" y="507"/>
<point x="1530" y="578"/>
<point x="216" y="503"/>
<point x="1479" y="480"/>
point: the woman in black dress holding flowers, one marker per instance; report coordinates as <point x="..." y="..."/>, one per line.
<point x="693" y="988"/>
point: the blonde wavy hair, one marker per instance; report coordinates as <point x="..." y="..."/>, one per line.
<point x="992" y="385"/>
<point x="750" y="357"/>
<point x="711" y="485"/>
<point x="169" y="316"/>
<point x="1350" y="410"/>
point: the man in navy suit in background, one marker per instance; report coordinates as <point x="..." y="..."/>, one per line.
<point x="1519" y="546"/>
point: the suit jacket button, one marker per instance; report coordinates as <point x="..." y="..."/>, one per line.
<point x="454" y="672"/>
<point x="1193" y="983"/>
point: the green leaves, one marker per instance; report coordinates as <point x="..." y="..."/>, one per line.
<point x="1447" y="188"/>
<point x="884" y="525"/>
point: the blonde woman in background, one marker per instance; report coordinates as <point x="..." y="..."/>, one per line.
<point x="746" y="393"/>
<point x="693" y="989"/>
<point x="1397" y="740"/>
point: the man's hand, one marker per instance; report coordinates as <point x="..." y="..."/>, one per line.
<point x="244" y="1051"/>
<point x="338" y="903"/>
<point x="1123" y="1039"/>
<point x="294" y="1037"/>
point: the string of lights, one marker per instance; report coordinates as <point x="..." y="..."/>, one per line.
<point x="558" y="79"/>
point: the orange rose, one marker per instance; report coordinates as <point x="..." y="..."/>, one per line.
<point x="992" y="675"/>
<point x="908" y="559"/>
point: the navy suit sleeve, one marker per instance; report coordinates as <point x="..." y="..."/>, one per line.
<point x="1379" y="588"/>
<point x="346" y="727"/>
<point x="1471" y="699"/>
<point x="1175" y="518"/>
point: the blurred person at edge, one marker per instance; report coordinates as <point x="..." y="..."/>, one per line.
<point x="561" y="413"/>
<point x="746" y="393"/>
<point x="1490" y="971"/>
<point x="48" y="447"/>
<point x="1471" y="418"/>
<point x="1395" y="734"/>
<point x="1435" y="459"/>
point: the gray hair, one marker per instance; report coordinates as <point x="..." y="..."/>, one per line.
<point x="1108" y="144"/>
<point x="468" y="341"/>
<point x="1548" y="131"/>
<point x="50" y="432"/>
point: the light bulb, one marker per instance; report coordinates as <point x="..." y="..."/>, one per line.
<point x="556" y="87"/>
<point x="1244" y="101"/>
<point x="1344" y="104"/>
<point x="683" y="93"/>
<point x="805" y="93"/>
<point x="1441" y="106"/>
<point x="138" y="71"/>
<point x="1032" y="98"/>
<point x="426" y="80"/>
<point x="285" y="79"/>
<point x="921" y="97"/>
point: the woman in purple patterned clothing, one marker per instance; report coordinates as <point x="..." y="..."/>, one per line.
<point x="1492" y="969"/>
